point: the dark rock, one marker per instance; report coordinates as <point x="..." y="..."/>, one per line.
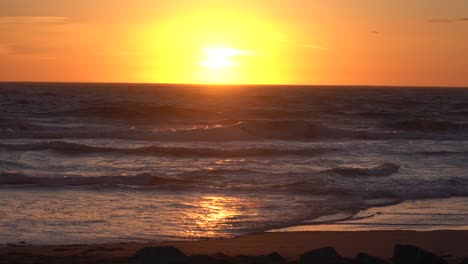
<point x="407" y="254"/>
<point x="465" y="261"/>
<point x="275" y="258"/>
<point x="203" y="259"/>
<point x="158" y="255"/>
<point x="363" y="258"/>
<point x="327" y="255"/>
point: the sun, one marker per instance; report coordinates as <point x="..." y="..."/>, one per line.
<point x="215" y="47"/>
<point x="220" y="58"/>
<point x="221" y="64"/>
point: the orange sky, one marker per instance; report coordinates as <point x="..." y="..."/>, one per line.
<point x="369" y="42"/>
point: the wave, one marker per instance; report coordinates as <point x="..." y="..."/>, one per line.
<point x="204" y="178"/>
<point x="144" y="179"/>
<point x="267" y="129"/>
<point x="297" y="130"/>
<point x="18" y="125"/>
<point x="127" y="111"/>
<point x="358" y="190"/>
<point x="317" y="182"/>
<point x="443" y="153"/>
<point x="240" y="131"/>
<point x="427" y="125"/>
<point x="74" y="148"/>
<point x="385" y="169"/>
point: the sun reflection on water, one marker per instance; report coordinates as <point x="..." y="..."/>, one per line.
<point x="214" y="214"/>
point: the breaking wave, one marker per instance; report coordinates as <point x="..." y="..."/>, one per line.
<point x="235" y="130"/>
<point x="245" y="130"/>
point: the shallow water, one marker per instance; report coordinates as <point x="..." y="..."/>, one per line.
<point x="417" y="215"/>
<point x="101" y="163"/>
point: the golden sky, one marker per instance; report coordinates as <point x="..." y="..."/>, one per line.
<point x="368" y="42"/>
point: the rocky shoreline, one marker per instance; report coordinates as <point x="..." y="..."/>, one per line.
<point x="381" y="247"/>
<point x="403" y="254"/>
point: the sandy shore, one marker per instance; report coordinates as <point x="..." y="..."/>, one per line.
<point x="453" y="245"/>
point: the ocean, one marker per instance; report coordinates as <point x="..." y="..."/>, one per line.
<point x="111" y="163"/>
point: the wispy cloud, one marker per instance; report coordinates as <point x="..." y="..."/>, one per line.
<point x="439" y="21"/>
<point x="310" y="46"/>
<point x="448" y="20"/>
<point x="25" y="50"/>
<point x="34" y="20"/>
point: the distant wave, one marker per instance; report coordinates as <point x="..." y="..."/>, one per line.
<point x="74" y="148"/>
<point x="267" y="129"/>
<point x="244" y="130"/>
<point x="228" y="130"/>
<point x="443" y="153"/>
<point x="428" y="125"/>
<point x="19" y="125"/>
<point x="135" y="112"/>
<point x="125" y="111"/>
<point x="385" y="169"/>
<point x="137" y="180"/>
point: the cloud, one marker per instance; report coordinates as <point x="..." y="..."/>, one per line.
<point x="310" y="46"/>
<point x="34" y="20"/>
<point x="439" y="21"/>
<point x="447" y="20"/>
<point x="26" y="49"/>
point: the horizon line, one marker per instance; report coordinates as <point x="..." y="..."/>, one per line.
<point x="236" y="84"/>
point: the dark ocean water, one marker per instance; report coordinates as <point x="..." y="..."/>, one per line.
<point x="101" y="163"/>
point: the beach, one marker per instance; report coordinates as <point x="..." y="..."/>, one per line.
<point x="432" y="225"/>
<point x="452" y="245"/>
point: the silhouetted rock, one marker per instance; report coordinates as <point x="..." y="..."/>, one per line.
<point x="204" y="259"/>
<point x="327" y="255"/>
<point x="407" y="254"/>
<point x="363" y="258"/>
<point x="158" y="255"/>
<point x="275" y="258"/>
<point x="272" y="258"/>
<point x="465" y="261"/>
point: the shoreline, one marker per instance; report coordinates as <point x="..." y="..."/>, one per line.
<point x="430" y="214"/>
<point x="451" y="244"/>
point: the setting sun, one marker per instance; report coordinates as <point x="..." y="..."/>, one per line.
<point x="214" y="47"/>
<point x="219" y="58"/>
<point x="221" y="65"/>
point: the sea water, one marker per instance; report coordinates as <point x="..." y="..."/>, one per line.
<point x="110" y="163"/>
